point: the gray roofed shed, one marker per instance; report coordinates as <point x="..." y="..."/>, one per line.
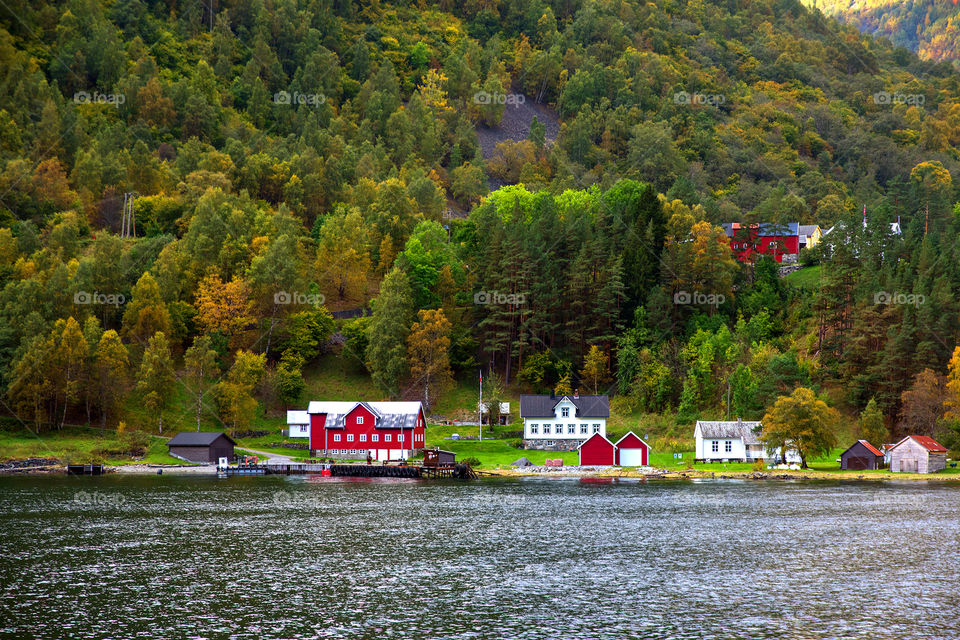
<point x="201" y="446"/>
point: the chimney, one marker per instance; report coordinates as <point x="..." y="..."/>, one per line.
<point x="576" y="393"/>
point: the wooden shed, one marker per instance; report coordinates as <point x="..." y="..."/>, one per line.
<point x="439" y="458"/>
<point x="860" y="456"/>
<point x="632" y="451"/>
<point x="597" y="450"/>
<point x="203" y="446"/>
<point x="918" y="454"/>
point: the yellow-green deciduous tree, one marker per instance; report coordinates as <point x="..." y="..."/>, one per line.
<point x="872" y="427"/>
<point x="146" y="314"/>
<point x="156" y="379"/>
<point x="596" y="369"/>
<point x="235" y="394"/>
<point x="803" y="422"/>
<point x="111" y="368"/>
<point x="200" y="366"/>
<point x="428" y="353"/>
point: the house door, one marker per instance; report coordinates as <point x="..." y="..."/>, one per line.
<point x="908" y="465"/>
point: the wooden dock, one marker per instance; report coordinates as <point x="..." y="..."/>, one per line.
<point x="457" y="471"/>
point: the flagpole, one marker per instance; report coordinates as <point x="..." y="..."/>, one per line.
<point x="480" y="406"/>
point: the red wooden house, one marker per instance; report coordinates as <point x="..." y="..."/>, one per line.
<point x="597" y="450"/>
<point x="382" y="430"/>
<point x="779" y="241"/>
<point x="632" y="451"/>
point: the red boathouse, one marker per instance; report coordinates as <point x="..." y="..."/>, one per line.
<point x="597" y="450"/>
<point x="632" y="451"/>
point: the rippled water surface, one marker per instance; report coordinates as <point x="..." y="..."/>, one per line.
<point x="179" y="557"/>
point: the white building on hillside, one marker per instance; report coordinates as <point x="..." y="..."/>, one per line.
<point x="298" y="424"/>
<point x="734" y="440"/>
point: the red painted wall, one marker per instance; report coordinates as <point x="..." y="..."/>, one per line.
<point x="773" y="246"/>
<point x="597" y="450"/>
<point x="317" y="422"/>
<point x="631" y="441"/>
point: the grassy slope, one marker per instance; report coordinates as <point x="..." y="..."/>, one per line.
<point x="807" y="278"/>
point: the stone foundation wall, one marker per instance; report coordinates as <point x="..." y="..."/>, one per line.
<point x="552" y="445"/>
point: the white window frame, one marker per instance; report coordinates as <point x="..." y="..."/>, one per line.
<point x="388" y="437"/>
<point x="715" y="446"/>
<point x="349" y="437"/>
<point x="596" y="428"/>
<point x="363" y="437"/>
<point x="534" y="429"/>
<point x="564" y="412"/>
<point x="728" y="446"/>
<point x="546" y="428"/>
<point x="359" y="419"/>
<point x="584" y="429"/>
<point x="571" y="429"/>
<point x="375" y="437"/>
<point x="336" y="437"/>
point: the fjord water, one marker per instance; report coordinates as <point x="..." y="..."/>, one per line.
<point x="296" y="557"/>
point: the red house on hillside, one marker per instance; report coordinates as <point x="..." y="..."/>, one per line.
<point x="384" y="430"/>
<point x="597" y="450"/>
<point x="779" y="241"/>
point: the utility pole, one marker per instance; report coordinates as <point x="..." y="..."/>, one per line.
<point x="128" y="224"/>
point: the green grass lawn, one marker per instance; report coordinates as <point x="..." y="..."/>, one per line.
<point x="78" y="445"/>
<point x="806" y="278"/>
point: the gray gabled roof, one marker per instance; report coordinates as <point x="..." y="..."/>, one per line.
<point x="542" y="406"/>
<point x="749" y="432"/>
<point x="196" y="438"/>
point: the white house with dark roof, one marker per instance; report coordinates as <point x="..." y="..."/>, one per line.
<point x="298" y="424"/>
<point x="562" y="423"/>
<point x="733" y="440"/>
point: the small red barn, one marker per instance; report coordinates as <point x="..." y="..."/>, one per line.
<point x="597" y="450"/>
<point x="632" y="451"/>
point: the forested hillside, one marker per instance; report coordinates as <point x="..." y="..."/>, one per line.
<point x="285" y="160"/>
<point x="929" y="27"/>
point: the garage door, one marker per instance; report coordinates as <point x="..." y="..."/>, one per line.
<point x="631" y="457"/>
<point x="857" y="464"/>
